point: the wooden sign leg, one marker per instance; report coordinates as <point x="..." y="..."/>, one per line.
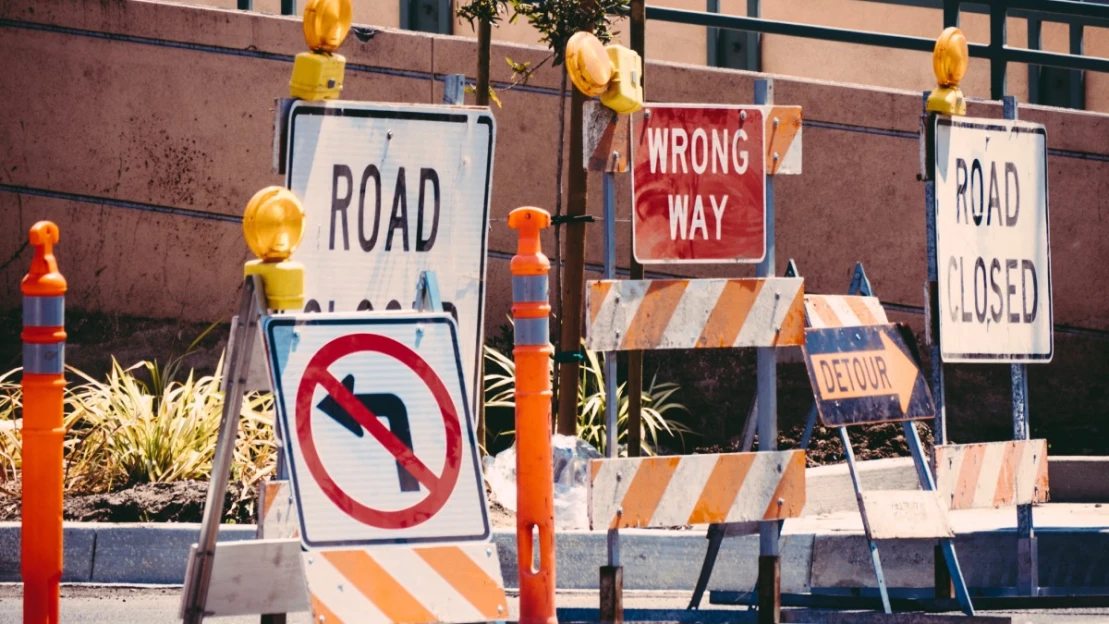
<point x="251" y="305"/>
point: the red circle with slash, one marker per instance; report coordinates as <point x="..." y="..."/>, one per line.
<point x="439" y="486"/>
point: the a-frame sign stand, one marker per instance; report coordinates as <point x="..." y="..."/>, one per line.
<point x="860" y="286"/>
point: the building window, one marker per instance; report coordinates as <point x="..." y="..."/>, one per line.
<point x="1065" y="88"/>
<point x="431" y="16"/>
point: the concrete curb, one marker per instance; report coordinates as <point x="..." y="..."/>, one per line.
<point x="658" y="560"/>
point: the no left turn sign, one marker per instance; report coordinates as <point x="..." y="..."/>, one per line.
<point x="374" y="417"/>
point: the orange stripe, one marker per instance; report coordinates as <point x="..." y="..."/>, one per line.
<point x="1007" y="480"/>
<point x="858" y="306"/>
<point x="824" y="312"/>
<point x="595" y="467"/>
<point x="791" y="490"/>
<point x="721" y="488"/>
<point x="271" y="493"/>
<point x="793" y="325"/>
<point x="968" y="477"/>
<point x="597" y="293"/>
<point x="645" y="491"/>
<point x="468" y="579"/>
<point x="789" y="124"/>
<point x="730" y="313"/>
<point x="368" y="577"/>
<point x="653" y="315"/>
<point x="321" y="613"/>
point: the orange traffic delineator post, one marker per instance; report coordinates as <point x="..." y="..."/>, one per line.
<point x="531" y="312"/>
<point x="43" y="433"/>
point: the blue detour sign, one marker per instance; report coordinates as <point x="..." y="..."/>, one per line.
<point x="865" y="375"/>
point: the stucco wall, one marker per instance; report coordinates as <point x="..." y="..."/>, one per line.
<point x="145" y="127"/>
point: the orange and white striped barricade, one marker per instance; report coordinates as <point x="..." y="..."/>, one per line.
<point x="694" y="313"/>
<point x="625" y="315"/>
<point x="438" y="583"/>
<point x="843" y="311"/>
<point x="690" y="489"/>
<point x="992" y="474"/>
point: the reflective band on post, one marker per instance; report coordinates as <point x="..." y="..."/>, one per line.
<point x="534" y="331"/>
<point x="43" y="359"/>
<point x="43" y="311"/>
<point x="529" y="288"/>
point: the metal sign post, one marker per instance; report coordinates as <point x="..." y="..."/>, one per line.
<point x="770" y="579"/>
<point x="1028" y="581"/>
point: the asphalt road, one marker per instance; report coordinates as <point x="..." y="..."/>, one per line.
<point x="128" y="605"/>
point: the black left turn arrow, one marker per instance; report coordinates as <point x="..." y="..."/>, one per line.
<point x="387" y="406"/>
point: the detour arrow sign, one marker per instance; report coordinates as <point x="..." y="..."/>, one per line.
<point x="863" y="375"/>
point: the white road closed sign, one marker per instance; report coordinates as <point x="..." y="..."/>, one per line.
<point x="389" y="191"/>
<point x="992" y="246"/>
<point x="374" y="419"/>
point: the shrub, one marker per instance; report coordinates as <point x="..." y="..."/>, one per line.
<point x="658" y="402"/>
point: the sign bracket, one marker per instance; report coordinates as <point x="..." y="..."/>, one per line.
<point x="427" y="293"/>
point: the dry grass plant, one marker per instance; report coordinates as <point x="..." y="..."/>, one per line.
<point x="140" y="425"/>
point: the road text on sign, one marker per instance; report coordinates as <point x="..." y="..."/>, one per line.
<point x="390" y="191"/>
<point x="373" y="413"/>
<point x="992" y="244"/>
<point x="866" y="374"/>
<point x="700" y="185"/>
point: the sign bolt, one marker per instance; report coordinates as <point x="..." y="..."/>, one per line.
<point x="743" y="115"/>
<point x="488" y="552"/>
<point x="389" y="135"/>
<point x="619" y="476"/>
<point x="647" y="113"/>
<point x="619" y="511"/>
<point x="775" y="127"/>
<point x="322" y="619"/>
<point x="776" y="157"/>
<point x="500" y="609"/>
<point x="777" y="294"/>
<point x="781" y="502"/>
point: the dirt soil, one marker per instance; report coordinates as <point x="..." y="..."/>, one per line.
<point x="148" y="502"/>
<point x="868" y="442"/>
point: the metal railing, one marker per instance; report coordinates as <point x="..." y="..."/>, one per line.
<point x="1076" y="14"/>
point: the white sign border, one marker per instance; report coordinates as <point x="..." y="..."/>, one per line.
<point x="282" y="416"/>
<point x="766" y="227"/>
<point x="997" y="125"/>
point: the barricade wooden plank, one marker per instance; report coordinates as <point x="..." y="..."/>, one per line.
<point x="696" y="489"/>
<point x="992" y="474"/>
<point x="278" y="511"/>
<point x="904" y="514"/>
<point x="257" y="576"/>
<point x="694" y="313"/>
<point x="823" y="311"/>
<point x="445" y="583"/>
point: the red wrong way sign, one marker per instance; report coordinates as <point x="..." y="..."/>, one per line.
<point x="373" y="414"/>
<point x="700" y="185"/>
